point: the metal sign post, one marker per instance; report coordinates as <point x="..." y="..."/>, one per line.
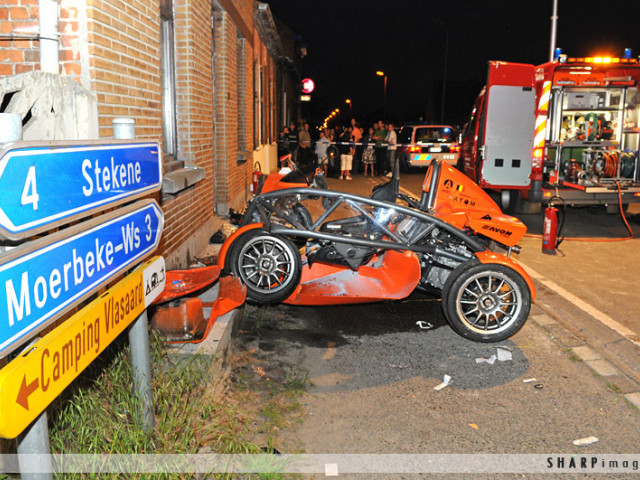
<point x="34" y="453"/>
<point x="141" y="366"/>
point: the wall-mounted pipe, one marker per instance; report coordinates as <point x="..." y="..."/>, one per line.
<point x="48" y="13"/>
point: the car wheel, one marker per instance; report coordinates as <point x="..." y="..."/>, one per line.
<point x="486" y="302"/>
<point x="269" y="265"/>
<point x="509" y="200"/>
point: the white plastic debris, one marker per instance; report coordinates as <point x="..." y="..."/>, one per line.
<point x="424" y="325"/>
<point x="331" y="470"/>
<point x="445" y="381"/>
<point x="585" y="441"/>
<point x="491" y="360"/>
<point x="504" y="354"/>
<point x="529" y="380"/>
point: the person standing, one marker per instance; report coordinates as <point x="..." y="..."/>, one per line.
<point x="304" y="141"/>
<point x="321" y="152"/>
<point x="367" y="154"/>
<point x="293" y="142"/>
<point x="357" y="136"/>
<point x="392" y="144"/>
<point x="346" y="154"/>
<point x="283" y="142"/>
<point x="380" y="150"/>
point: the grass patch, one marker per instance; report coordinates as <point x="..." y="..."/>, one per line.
<point x="196" y="410"/>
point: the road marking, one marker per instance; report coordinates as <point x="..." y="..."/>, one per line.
<point x="584" y="306"/>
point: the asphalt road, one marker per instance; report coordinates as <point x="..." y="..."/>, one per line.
<point x="373" y="370"/>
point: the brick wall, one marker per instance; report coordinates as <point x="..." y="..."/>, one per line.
<point x="19" y="53"/>
<point x="124" y="49"/>
<point x="188" y="211"/>
<point x="235" y="83"/>
<point x="232" y="178"/>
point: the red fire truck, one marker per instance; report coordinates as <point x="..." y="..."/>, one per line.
<point x="569" y="127"/>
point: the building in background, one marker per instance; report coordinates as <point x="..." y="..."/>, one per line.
<point x="209" y="80"/>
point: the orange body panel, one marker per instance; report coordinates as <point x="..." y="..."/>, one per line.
<point x="458" y="193"/>
<point x="184" y="322"/>
<point x="273" y="183"/>
<point x="393" y="275"/>
<point x="222" y="255"/>
<point x="460" y="202"/>
<point x="502" y="228"/>
<point x="180" y="320"/>
<point x="179" y="283"/>
<point x="488" y="257"/>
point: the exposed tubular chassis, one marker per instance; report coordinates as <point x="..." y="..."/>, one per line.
<point x="262" y="208"/>
<point x="360" y="249"/>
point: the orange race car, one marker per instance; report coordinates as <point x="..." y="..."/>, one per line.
<point x="311" y="246"/>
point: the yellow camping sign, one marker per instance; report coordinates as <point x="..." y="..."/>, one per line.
<point x="30" y="382"/>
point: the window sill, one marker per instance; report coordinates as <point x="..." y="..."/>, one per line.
<point x="181" y="179"/>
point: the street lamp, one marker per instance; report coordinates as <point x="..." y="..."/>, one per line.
<point x="384" y="105"/>
<point x="348" y="102"/>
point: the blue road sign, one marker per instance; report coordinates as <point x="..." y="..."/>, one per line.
<point x="43" y="279"/>
<point x="43" y="185"/>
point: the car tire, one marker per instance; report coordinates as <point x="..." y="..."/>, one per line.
<point x="486" y="302"/>
<point x="269" y="265"/>
<point x="509" y="201"/>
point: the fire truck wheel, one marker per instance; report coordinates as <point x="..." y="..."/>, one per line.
<point x="485" y="302"/>
<point x="509" y="200"/>
<point x="269" y="265"/>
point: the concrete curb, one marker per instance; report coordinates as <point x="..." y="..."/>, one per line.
<point x="594" y="343"/>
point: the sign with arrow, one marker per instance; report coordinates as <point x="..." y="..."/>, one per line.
<point x="47" y="184"/>
<point x="30" y="382"/>
<point x="43" y="279"/>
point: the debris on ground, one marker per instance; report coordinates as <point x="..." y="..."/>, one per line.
<point x="235" y="217"/>
<point x="424" y="325"/>
<point x="474" y="426"/>
<point x="445" y="381"/>
<point x="585" y="441"/>
<point x="218" y="237"/>
<point x="491" y="360"/>
<point x="504" y="354"/>
<point x="399" y="367"/>
<point x="529" y="380"/>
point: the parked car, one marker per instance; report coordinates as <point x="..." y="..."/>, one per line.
<point x="419" y="144"/>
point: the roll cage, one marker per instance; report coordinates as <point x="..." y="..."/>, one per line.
<point x="374" y="223"/>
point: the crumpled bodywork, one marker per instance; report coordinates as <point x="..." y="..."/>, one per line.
<point x="393" y="275"/>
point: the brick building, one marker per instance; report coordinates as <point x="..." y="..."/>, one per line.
<point x="206" y="78"/>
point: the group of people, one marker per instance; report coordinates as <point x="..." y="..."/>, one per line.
<point x="375" y="150"/>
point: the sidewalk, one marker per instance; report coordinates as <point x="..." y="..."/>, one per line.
<point x="604" y="274"/>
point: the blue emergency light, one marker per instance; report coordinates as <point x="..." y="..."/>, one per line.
<point x="628" y="54"/>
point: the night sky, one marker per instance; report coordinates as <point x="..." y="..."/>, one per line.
<point x="348" y="40"/>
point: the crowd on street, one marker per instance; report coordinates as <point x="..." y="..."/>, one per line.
<point x="342" y="150"/>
